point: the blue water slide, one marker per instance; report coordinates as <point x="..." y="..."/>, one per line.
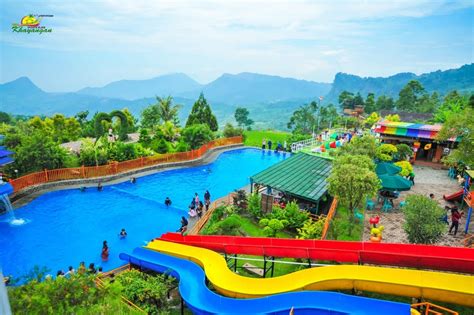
<point x="201" y="300"/>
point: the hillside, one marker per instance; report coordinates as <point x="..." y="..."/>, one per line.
<point x="461" y="79"/>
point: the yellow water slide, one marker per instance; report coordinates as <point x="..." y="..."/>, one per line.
<point x="445" y="287"/>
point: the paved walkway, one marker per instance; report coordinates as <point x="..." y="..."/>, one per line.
<point x="427" y="181"/>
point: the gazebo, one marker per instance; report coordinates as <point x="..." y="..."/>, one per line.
<point x="301" y="176"/>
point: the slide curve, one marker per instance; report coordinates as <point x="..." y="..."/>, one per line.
<point x="451" y="288"/>
<point x="443" y="258"/>
<point x="455" y="196"/>
<point x="201" y="300"/>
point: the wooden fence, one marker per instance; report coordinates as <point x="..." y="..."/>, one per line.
<point x="329" y="217"/>
<point x="199" y="225"/>
<point x="116" y="167"/>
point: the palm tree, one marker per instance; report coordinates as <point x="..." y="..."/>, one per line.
<point x="166" y="110"/>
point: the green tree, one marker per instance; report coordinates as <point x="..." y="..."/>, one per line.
<point x="201" y="113"/>
<point x="36" y="153"/>
<point x="370" y="107"/>
<point x="371" y="120"/>
<point x="272" y="226"/>
<point x="82" y="117"/>
<point x="346" y="99"/>
<point x="160" y="112"/>
<point x="409" y="96"/>
<point x="230" y="131"/>
<point x="197" y="135"/>
<point x="292" y="214"/>
<point x="406" y="166"/>
<point x="358" y="100"/>
<point x="93" y="154"/>
<point x="460" y="125"/>
<point x="124" y="126"/>
<point x="384" y="103"/>
<point x="392" y="118"/>
<point x="453" y="103"/>
<point x="423" y="223"/>
<point x="364" y="145"/>
<point x="254" y="205"/>
<point x="303" y="119"/>
<point x="353" y="183"/>
<point x="5" y="118"/>
<point x="242" y="117"/>
<point x="404" y="151"/>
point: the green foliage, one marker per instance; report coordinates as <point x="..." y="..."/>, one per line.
<point x="119" y="151"/>
<point x="36" y="153"/>
<point x="201" y="113"/>
<point x="409" y="96"/>
<point x="254" y="205"/>
<point x="99" y="119"/>
<point x="197" y="134"/>
<point x="352" y="183"/>
<point x="254" y="138"/>
<point x="78" y="295"/>
<point x="292" y="214"/>
<point x="182" y="146"/>
<point x="58" y="127"/>
<point x="160" y="112"/>
<point x="303" y="119"/>
<point x="371" y="120"/>
<point x="403" y="151"/>
<point x="370" y="104"/>
<point x="144" y="138"/>
<point x="123" y="123"/>
<point x="311" y="229"/>
<point x="453" y="103"/>
<point x="240" y="199"/>
<point x="160" y="145"/>
<point x="386" y="152"/>
<point x="272" y="226"/>
<point x="92" y="155"/>
<point x="392" y="118"/>
<point x="362" y="161"/>
<point x="364" y="145"/>
<point x="169" y="131"/>
<point x="407" y="168"/>
<point x="241" y="116"/>
<point x="229" y="226"/>
<point x="147" y="291"/>
<point x="460" y="125"/>
<point x="384" y="103"/>
<point x="230" y="131"/>
<point x="5" y="118"/>
<point x="346" y="99"/>
<point x="423" y="223"/>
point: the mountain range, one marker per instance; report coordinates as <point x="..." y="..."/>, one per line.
<point x="270" y="99"/>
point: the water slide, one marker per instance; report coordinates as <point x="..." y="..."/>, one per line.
<point x="454" y="197"/>
<point x="444" y="258"/>
<point x="445" y="287"/>
<point x="201" y="300"/>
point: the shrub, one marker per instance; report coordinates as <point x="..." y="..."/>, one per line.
<point x="403" y="151"/>
<point x="160" y="145"/>
<point x="311" y="229"/>
<point x="272" y="226"/>
<point x="149" y="292"/>
<point x="231" y="131"/>
<point x="120" y="151"/>
<point x="254" y="205"/>
<point x="291" y="213"/>
<point x="144" y="138"/>
<point x="229" y="226"/>
<point x="197" y="135"/>
<point x="385" y="152"/>
<point x="406" y="166"/>
<point x="182" y="146"/>
<point x="423" y="220"/>
<point x="92" y="155"/>
<point x="240" y="199"/>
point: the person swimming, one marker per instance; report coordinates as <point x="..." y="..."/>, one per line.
<point x="168" y="201"/>
<point x="105" y="251"/>
<point x="133" y="180"/>
<point x="123" y="233"/>
<point x="99" y="186"/>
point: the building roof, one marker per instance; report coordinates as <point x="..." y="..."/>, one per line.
<point x="302" y="175"/>
<point x="409" y="130"/>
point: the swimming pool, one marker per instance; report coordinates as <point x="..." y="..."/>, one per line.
<point x="68" y="226"/>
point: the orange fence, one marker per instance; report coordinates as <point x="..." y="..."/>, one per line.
<point x="116" y="167"/>
<point x="198" y="226"/>
<point x="331" y="213"/>
<point x="426" y="308"/>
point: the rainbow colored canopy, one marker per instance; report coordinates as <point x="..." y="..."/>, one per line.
<point x="409" y="130"/>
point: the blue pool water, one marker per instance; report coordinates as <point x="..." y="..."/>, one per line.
<point x="68" y="226"/>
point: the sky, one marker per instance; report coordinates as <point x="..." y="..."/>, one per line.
<point x="93" y="43"/>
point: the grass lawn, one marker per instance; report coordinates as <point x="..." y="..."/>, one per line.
<point x="342" y="218"/>
<point x="254" y="138"/>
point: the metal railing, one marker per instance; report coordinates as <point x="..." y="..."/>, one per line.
<point x="426" y="308"/>
<point x="114" y="168"/>
<point x="297" y="146"/>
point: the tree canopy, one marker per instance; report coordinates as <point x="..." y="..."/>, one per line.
<point x="201" y="113"/>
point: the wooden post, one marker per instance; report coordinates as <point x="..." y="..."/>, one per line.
<point x="141" y="161"/>
<point x="83" y="169"/>
<point x="46" y="174"/>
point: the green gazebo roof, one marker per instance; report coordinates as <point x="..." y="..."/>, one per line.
<point x="302" y="175"/>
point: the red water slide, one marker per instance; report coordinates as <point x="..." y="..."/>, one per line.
<point x="456" y="196"/>
<point x="456" y="259"/>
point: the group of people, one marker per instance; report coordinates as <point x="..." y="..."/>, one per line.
<point x="196" y="209"/>
<point x="279" y="147"/>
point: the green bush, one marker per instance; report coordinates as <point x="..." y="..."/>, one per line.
<point x="77" y="295"/>
<point x="160" y="146"/>
<point x="386" y="152"/>
<point x="423" y="223"/>
<point x="311" y="229"/>
<point x="119" y="151"/>
<point x="182" y="146"/>
<point x="149" y="292"/>
<point x="403" y="151"/>
<point x="272" y="226"/>
<point x="229" y="226"/>
<point x="197" y="135"/>
<point x="231" y="131"/>
<point x="291" y="213"/>
<point x="406" y="166"/>
<point x="254" y="205"/>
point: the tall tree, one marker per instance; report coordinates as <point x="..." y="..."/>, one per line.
<point x="409" y="96"/>
<point x="242" y="117"/>
<point x="201" y="113"/>
<point x="346" y="99"/>
<point x="303" y="119"/>
<point x="369" y="107"/>
<point x="384" y="103"/>
<point x="453" y="103"/>
<point x="163" y="110"/>
<point x="358" y="100"/>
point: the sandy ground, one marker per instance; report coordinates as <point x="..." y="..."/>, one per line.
<point x="427" y="181"/>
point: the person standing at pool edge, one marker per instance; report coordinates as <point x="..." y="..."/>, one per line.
<point x="264" y="143"/>
<point x="105" y="251"/>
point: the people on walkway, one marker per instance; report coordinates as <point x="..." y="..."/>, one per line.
<point x="196" y="199"/>
<point x="92" y="269"/>
<point x="269" y="144"/>
<point x="82" y="268"/>
<point x="105" y="251"/>
<point x="200" y="207"/>
<point x="264" y="143"/>
<point x="168" y="201"/>
<point x="455" y="217"/>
